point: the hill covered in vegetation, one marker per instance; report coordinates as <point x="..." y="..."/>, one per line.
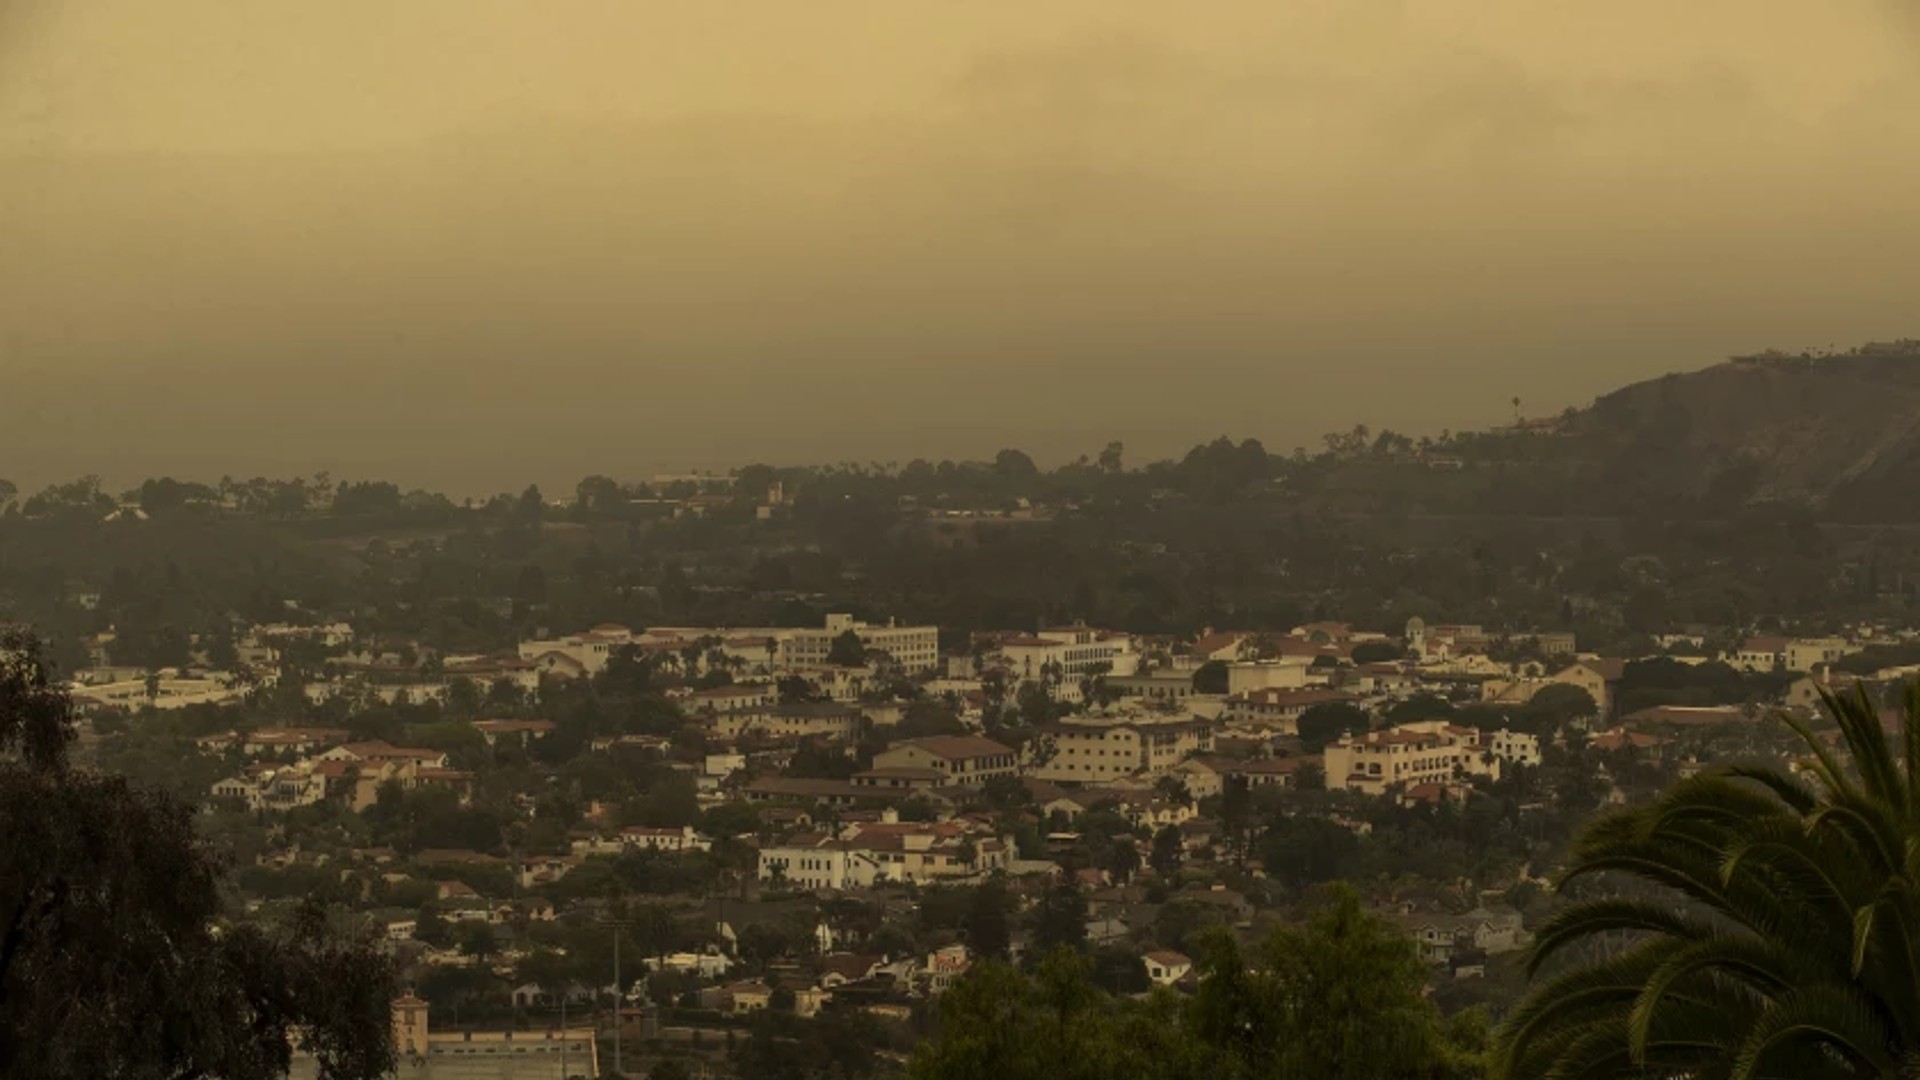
<point x="1839" y="433"/>
<point x="1764" y="487"/>
<point x="1835" y="436"/>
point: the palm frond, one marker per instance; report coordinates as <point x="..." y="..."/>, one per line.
<point x="1831" y="1016"/>
<point x="1756" y="962"/>
<point x="1867" y="744"/>
<point x="1615" y="914"/>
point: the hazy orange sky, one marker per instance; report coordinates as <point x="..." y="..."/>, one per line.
<point x="477" y="243"/>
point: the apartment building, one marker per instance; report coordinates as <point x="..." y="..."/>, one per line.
<point x="1094" y="750"/>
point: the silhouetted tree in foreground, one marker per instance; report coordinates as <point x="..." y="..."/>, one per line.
<point x="116" y="957"/>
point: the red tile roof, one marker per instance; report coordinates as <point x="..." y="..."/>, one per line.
<point x="957" y="747"/>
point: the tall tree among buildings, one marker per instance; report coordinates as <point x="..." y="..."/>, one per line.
<point x="1060" y="919"/>
<point x="116" y="958"/>
<point x="847" y="650"/>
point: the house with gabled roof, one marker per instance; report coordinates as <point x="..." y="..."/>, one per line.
<point x="1166" y="967"/>
<point x="1599" y="677"/>
<point x="962" y="759"/>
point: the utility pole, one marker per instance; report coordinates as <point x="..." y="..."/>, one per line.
<point x="563" y="1032"/>
<point x="619" y="1002"/>
<point x="619" y="991"/>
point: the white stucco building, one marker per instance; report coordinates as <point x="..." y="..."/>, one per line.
<point x="1430" y="751"/>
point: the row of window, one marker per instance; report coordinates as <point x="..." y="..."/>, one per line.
<point x="579" y="1048"/>
<point x="979" y="764"/>
<point x="1429" y="764"/>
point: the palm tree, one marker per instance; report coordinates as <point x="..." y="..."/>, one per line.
<point x="1780" y="938"/>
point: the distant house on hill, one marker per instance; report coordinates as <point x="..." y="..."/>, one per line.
<point x="1166" y="967"/>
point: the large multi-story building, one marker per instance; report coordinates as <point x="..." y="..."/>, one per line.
<point x="1095" y="750"/>
<point x="1062" y="656"/>
<point x="750" y="650"/>
<point x="1074" y="650"/>
<point x="1430" y="751"/>
<point x="915" y="648"/>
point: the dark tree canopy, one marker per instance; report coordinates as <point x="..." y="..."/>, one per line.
<point x="1376" y="652"/>
<point x="1210" y="678"/>
<point x="847" y="650"/>
<point x="117" y="959"/>
<point x="1559" y="704"/>
<point x="1420" y="707"/>
<point x="1325" y="723"/>
<point x="1060" y="919"/>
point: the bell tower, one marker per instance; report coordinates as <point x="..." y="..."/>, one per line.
<point x="409" y="1027"/>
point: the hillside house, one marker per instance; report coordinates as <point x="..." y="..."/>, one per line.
<point x="1166" y="967"/>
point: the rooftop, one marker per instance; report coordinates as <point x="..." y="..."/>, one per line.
<point x="956" y="747"/>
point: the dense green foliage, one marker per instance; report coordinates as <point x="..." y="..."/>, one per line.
<point x="1340" y="997"/>
<point x="1774" y="934"/>
<point x="116" y="956"/>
